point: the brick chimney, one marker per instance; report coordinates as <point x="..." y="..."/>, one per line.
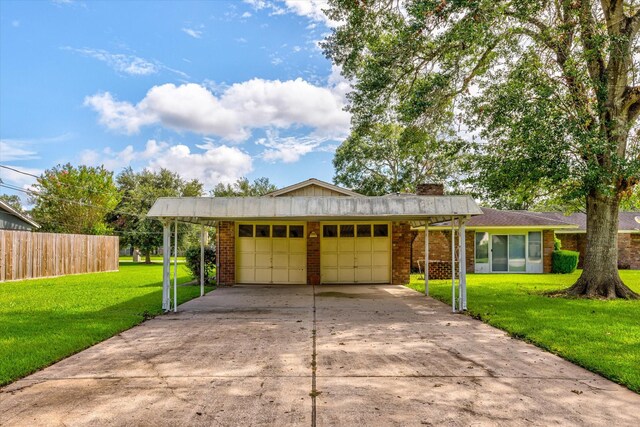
<point x="430" y="189"/>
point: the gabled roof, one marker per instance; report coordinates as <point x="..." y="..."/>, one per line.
<point x="312" y="182"/>
<point x="11" y="211"/>
<point x="208" y="210"/>
<point x="494" y="218"/>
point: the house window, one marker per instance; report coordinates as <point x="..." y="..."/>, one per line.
<point x="517" y="248"/>
<point x="364" y="230"/>
<point x="279" y="231"/>
<point x="263" y="230"/>
<point x="347" y="231"/>
<point x="535" y="245"/>
<point x="296" y="231"/>
<point x="380" y="230"/>
<point x="245" y="230"/>
<point x="329" y="231"/>
<point x="482" y="248"/>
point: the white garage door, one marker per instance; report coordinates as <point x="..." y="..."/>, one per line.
<point x="355" y="253"/>
<point x="271" y="253"/>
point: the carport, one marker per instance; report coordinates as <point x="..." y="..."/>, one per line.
<point x="323" y="239"/>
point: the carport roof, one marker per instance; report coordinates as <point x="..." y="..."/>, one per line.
<point x="417" y="209"/>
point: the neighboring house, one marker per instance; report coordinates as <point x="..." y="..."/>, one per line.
<point x="519" y="242"/>
<point x="11" y="219"/>
<point x="314" y="232"/>
<point x="628" y="237"/>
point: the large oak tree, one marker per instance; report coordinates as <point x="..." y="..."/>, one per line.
<point x="551" y="85"/>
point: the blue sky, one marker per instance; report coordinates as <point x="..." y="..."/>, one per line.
<point x="213" y="90"/>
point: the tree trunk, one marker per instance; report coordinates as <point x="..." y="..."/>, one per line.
<point x="147" y="257"/>
<point x="600" y="277"/>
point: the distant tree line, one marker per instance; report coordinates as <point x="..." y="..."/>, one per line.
<point x="92" y="200"/>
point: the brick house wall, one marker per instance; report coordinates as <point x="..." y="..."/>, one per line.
<point x="400" y="253"/>
<point x="440" y="253"/>
<point x="624" y="251"/>
<point x="548" y="242"/>
<point x="313" y="253"/>
<point x="634" y="254"/>
<point x="226" y="252"/>
<point x="628" y="248"/>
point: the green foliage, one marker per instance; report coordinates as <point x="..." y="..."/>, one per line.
<point x="45" y="320"/>
<point x="70" y="199"/>
<point x="557" y="244"/>
<point x="192" y="260"/>
<point x="564" y="262"/>
<point x="243" y="188"/>
<point x="13" y="201"/>
<point x="139" y="192"/>
<point x="529" y="78"/>
<point x="388" y="158"/>
<point x="601" y="336"/>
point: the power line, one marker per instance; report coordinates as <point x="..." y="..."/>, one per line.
<point x="19" y="171"/>
<point x="50" y="196"/>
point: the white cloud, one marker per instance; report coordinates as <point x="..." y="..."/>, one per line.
<point x="196" y="34"/>
<point x="241" y="40"/>
<point x="214" y="165"/>
<point x="122" y="63"/>
<point x="246" y="15"/>
<point x="119" y="115"/>
<point x="11" y="149"/>
<point x="312" y="9"/>
<point x="211" y="164"/>
<point x="288" y="149"/>
<point x="125" y="63"/>
<point x="232" y="114"/>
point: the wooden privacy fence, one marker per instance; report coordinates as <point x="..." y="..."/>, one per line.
<point x="28" y="255"/>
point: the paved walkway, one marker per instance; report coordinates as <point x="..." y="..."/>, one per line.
<point x="384" y="355"/>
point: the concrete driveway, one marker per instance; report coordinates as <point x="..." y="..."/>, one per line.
<point x="384" y="355"/>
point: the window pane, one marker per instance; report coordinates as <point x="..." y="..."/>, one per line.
<point x="499" y="253"/>
<point x="482" y="248"/>
<point x="380" y="230"/>
<point x="535" y="246"/>
<point x="296" y="231"/>
<point x="279" y="231"/>
<point x="364" y="230"/>
<point x="346" y="231"/>
<point x="517" y="253"/>
<point x="245" y="230"/>
<point x="263" y="230"/>
<point x="329" y="231"/>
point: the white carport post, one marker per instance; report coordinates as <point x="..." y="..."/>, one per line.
<point x="166" y="254"/>
<point x="175" y="269"/>
<point x="463" y="266"/>
<point x="453" y="264"/>
<point x="426" y="257"/>
<point x="202" y="234"/>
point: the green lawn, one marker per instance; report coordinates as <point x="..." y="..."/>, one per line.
<point x="602" y="336"/>
<point x="154" y="258"/>
<point x="45" y="320"/>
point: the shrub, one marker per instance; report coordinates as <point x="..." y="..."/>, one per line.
<point x="192" y="259"/>
<point x="564" y="262"/>
<point x="557" y="244"/>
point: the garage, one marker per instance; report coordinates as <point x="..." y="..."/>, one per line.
<point x="355" y="252"/>
<point x="274" y="252"/>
